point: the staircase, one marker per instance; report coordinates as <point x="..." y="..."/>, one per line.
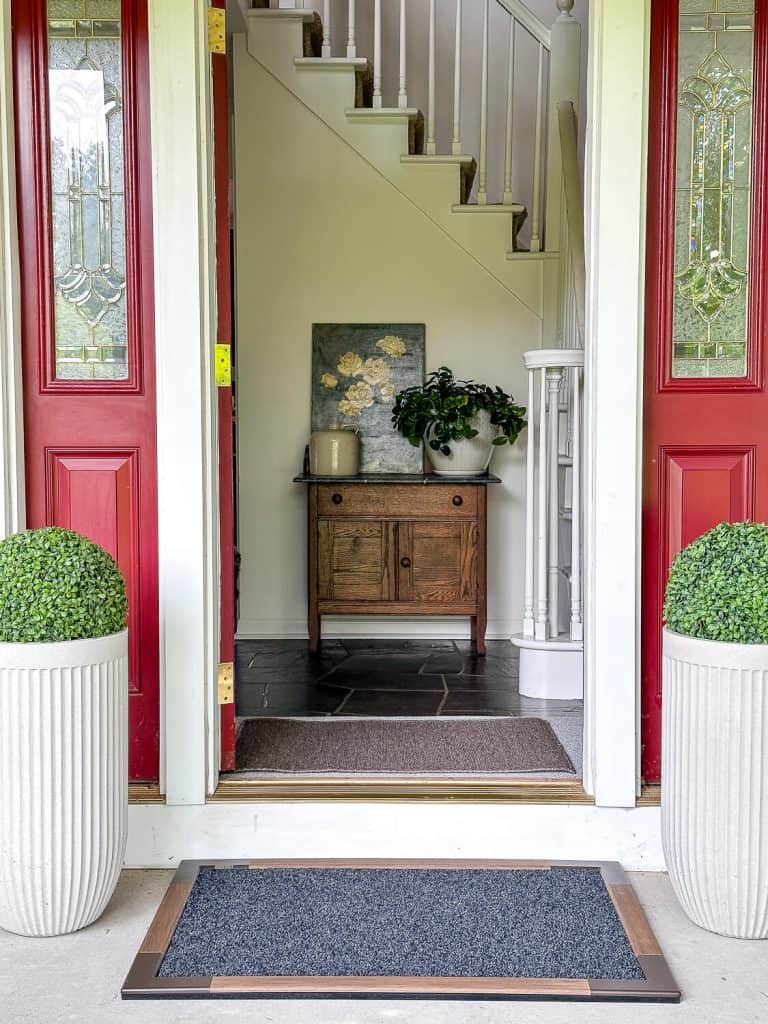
<point x="454" y="188"/>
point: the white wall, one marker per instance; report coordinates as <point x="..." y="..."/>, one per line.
<point x="322" y="237"/>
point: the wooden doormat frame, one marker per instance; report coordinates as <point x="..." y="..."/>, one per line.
<point x="658" y="985"/>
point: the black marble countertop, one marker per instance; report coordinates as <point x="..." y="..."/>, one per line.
<point x="398" y="478"/>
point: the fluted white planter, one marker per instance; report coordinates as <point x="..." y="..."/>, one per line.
<point x="714" y="806"/>
<point x="470" y="456"/>
<point x="63" y="781"/>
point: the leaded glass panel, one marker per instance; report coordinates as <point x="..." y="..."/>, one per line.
<point x="714" y="140"/>
<point x="88" y="198"/>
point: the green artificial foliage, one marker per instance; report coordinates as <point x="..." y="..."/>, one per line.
<point x="56" y="585"/>
<point x="442" y="409"/>
<point x="718" y="586"/>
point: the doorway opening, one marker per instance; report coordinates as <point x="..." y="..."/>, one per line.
<point x="343" y="171"/>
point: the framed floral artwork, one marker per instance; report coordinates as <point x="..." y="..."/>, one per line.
<point x="357" y="369"/>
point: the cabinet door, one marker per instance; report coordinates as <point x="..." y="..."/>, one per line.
<point x="438" y="562"/>
<point x="356" y="560"/>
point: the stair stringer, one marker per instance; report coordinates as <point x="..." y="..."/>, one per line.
<point x="434" y="186"/>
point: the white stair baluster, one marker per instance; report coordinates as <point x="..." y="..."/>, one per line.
<point x="402" y="96"/>
<point x="529" y="510"/>
<point x="377" y="55"/>
<point x="540" y="624"/>
<point x="326" y="51"/>
<point x="554" y="379"/>
<point x="536" y="204"/>
<point x="456" y="141"/>
<point x="510" y="114"/>
<point x="577" y="626"/>
<point x="351" y="44"/>
<point x="431" y="140"/>
<point x="482" y="177"/>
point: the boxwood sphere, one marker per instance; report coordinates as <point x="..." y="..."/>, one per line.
<point x="56" y="585"/>
<point x="718" y="586"/>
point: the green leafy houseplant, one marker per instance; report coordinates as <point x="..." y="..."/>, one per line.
<point x="718" y="586"/>
<point x="442" y="410"/>
<point x="56" y="585"/>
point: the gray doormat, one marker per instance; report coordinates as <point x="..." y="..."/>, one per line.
<point x="451" y="929"/>
<point x="456" y="746"/>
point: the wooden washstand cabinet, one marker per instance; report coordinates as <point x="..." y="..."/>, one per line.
<point x="398" y="544"/>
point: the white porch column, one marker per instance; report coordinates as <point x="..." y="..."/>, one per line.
<point x="184" y="239"/>
<point x="12" y="514"/>
<point x="615" y="245"/>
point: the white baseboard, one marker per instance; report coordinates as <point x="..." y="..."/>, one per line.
<point x="389" y="628"/>
<point x="160" y="836"/>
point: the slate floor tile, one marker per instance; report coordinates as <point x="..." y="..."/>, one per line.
<point x="298" y="699"/>
<point x="384" y="672"/>
<point x="249" y="699"/>
<point x="392" y="703"/>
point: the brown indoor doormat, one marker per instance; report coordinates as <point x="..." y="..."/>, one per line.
<point x="499" y="745"/>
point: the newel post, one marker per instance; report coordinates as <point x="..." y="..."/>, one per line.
<point x="564" y="66"/>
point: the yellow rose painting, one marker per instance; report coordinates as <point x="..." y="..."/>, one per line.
<point x="357" y="371"/>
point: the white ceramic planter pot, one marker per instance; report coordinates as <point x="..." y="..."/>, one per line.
<point x="63" y="781"/>
<point x="469" y="457"/>
<point x="714" y="805"/>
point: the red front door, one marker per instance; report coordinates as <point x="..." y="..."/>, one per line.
<point x="706" y="407"/>
<point x="85" y="223"/>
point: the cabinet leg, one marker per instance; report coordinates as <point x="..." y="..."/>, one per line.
<point x="478" y="633"/>
<point x="314" y="632"/>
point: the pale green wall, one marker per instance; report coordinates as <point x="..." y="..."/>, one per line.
<point x="323" y="237"/>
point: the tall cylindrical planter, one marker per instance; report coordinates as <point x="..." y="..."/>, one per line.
<point x="63" y="781"/>
<point x="714" y="805"/>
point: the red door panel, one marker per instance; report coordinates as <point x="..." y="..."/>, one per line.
<point x="706" y="408"/>
<point x="85" y="226"/>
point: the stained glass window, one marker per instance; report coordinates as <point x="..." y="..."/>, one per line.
<point x="714" y="138"/>
<point x="88" y="202"/>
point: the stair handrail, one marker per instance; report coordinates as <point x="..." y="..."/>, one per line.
<point x="525" y="17"/>
<point x="574" y="208"/>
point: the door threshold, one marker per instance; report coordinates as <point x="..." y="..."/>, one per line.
<point x="401" y="789"/>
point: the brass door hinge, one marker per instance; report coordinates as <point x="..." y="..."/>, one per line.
<point x="217" y="30"/>
<point x="226" y="682"/>
<point x="223" y="366"/>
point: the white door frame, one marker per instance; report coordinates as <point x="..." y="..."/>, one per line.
<point x="187" y="424"/>
<point x="615" y="203"/>
<point x="187" y="404"/>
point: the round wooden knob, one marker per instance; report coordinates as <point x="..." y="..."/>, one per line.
<point x="457" y="500"/>
<point x="405" y="562"/>
<point x="336" y="499"/>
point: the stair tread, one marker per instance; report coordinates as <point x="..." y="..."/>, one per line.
<point x="331" y="63"/>
<point x="526" y="254"/>
<point x="488" y="208"/>
<point x="436" y="158"/>
<point x="362" y="112"/>
<point x="266" y="13"/>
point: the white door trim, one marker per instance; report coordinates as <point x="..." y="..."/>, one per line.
<point x="187" y="439"/>
<point x="615" y="200"/>
<point x="12" y="504"/>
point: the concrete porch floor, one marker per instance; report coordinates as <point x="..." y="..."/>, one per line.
<point x="77" y="978"/>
